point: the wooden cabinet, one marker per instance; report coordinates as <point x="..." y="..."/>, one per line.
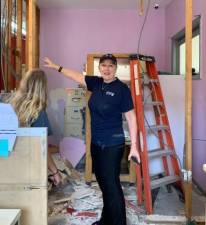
<point x="23" y="176"/>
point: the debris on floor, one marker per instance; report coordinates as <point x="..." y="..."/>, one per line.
<point x="76" y="203"/>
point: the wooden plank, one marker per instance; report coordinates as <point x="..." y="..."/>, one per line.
<point x="19" y="39"/>
<point x="188" y="106"/>
<point x="165" y="219"/>
<point x="8" y="45"/>
<point x="141" y="7"/>
<point x="117" y="55"/>
<point x="27" y="41"/>
<point x="162" y="219"/>
<point x="88" y="165"/>
<point x="37" y="32"/>
<point x="30" y="36"/>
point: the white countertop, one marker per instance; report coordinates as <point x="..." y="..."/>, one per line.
<point x="9" y="216"/>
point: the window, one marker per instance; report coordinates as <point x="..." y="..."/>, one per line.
<point x="178" y="51"/>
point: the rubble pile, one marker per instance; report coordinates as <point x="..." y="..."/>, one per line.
<point x="75" y="202"/>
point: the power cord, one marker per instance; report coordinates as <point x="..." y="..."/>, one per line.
<point x="142" y="28"/>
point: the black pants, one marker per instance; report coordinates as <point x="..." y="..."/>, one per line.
<point x="106" y="165"/>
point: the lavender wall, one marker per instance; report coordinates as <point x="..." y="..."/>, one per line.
<point x="67" y="36"/>
<point x="175" y="21"/>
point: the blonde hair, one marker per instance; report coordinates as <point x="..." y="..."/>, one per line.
<point x="31" y="97"/>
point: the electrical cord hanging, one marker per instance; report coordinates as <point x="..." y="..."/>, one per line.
<point x="141" y="31"/>
<point x="142" y="28"/>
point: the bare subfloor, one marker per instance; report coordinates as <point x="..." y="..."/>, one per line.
<point x="81" y="205"/>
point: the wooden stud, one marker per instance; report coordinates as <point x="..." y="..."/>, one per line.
<point x="27" y="31"/>
<point x="9" y="78"/>
<point x="30" y="36"/>
<point x="188" y="106"/>
<point x="88" y="165"/>
<point x="37" y="32"/>
<point x="141" y="7"/>
<point x="5" y="68"/>
<point x="8" y="46"/>
<point x="166" y="219"/>
<point x="19" y="38"/>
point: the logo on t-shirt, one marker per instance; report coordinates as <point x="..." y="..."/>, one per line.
<point x="110" y="93"/>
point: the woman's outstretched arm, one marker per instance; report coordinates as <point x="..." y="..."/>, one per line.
<point x="72" y="74"/>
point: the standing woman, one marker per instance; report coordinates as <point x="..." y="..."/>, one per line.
<point x="109" y="100"/>
<point x="29" y="103"/>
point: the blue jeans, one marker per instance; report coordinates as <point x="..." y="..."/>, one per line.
<point x="106" y="166"/>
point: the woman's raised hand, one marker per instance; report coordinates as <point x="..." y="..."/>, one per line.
<point x="48" y="63"/>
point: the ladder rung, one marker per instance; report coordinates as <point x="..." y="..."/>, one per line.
<point x="154" y="80"/>
<point x="143" y="74"/>
<point x="159" y="152"/>
<point x="156" y="127"/>
<point x="146" y="81"/>
<point x="162" y="114"/>
<point x="153" y="103"/>
<point x="164" y="181"/>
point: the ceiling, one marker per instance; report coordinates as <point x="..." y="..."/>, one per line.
<point x="98" y="4"/>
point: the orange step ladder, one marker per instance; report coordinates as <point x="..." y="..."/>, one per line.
<point x="142" y="81"/>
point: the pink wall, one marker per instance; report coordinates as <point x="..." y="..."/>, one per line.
<point x="175" y="21"/>
<point x="67" y="36"/>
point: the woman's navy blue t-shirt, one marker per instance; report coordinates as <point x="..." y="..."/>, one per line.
<point x="107" y="103"/>
<point x="42" y="121"/>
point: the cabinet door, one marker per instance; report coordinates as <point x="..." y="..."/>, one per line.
<point x="23" y="176"/>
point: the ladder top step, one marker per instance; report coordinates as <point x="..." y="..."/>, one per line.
<point x="142" y="57"/>
<point x="157" y="127"/>
<point x="154" y="153"/>
<point x="154" y="80"/>
<point x="164" y="181"/>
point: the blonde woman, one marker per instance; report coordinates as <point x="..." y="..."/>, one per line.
<point x="30" y="103"/>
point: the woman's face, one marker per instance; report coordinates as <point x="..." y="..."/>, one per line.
<point x="107" y="70"/>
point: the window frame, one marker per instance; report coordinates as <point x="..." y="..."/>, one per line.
<point x="179" y="39"/>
